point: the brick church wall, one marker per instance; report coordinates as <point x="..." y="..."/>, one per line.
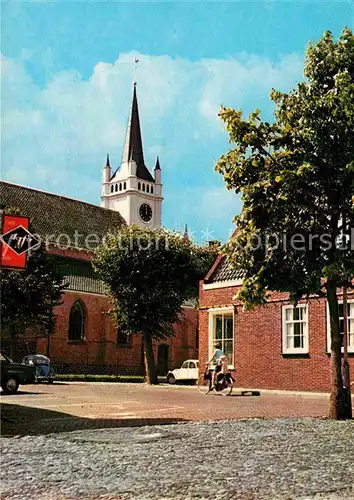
<point x="100" y="353"/>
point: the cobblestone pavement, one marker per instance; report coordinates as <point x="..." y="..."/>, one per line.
<point x="252" y="459"/>
<point x="41" y="409"/>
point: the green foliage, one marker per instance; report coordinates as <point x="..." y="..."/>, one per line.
<point x="28" y="297"/>
<point x="149" y="274"/>
<point x="296" y="178"/>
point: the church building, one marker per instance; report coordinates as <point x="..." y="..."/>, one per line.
<point x="85" y="339"/>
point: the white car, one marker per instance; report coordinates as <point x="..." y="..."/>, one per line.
<point x="188" y="371"/>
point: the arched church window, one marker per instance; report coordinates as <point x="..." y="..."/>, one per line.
<point x="120" y="186"/>
<point x="147" y="188"/>
<point x="116" y="187"/>
<point x="77" y="321"/>
<point x="139" y="186"/>
<point x="152" y="189"/>
<point x="143" y="187"/>
<point x="125" y="185"/>
<point x="112" y="188"/>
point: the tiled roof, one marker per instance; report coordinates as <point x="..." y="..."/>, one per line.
<point x="225" y="271"/>
<point x="59" y="218"/>
<point x="77" y="274"/>
<point x="84" y="284"/>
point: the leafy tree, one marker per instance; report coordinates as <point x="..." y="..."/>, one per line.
<point x="296" y="177"/>
<point x="28" y="297"/>
<point x="149" y="274"/>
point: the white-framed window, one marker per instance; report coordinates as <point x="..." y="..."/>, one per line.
<point x="295" y="329"/>
<point x="350" y="313"/>
<point x="221" y="329"/>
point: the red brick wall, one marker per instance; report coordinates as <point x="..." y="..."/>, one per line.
<point x="184" y="344"/>
<point x="259" y="362"/>
<point x="100" y="352"/>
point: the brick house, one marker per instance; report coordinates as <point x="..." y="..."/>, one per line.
<point x="85" y="338"/>
<point x="272" y="347"/>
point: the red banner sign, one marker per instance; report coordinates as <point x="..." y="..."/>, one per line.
<point x="16" y="241"/>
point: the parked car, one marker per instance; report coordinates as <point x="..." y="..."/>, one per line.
<point x="44" y="368"/>
<point x="14" y="374"/>
<point x="188" y="371"/>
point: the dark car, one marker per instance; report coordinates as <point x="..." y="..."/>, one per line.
<point x="14" y="374"/>
<point x="44" y="368"/>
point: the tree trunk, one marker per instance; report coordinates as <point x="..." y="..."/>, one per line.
<point x="48" y="345"/>
<point x="13" y="346"/>
<point x="142" y="357"/>
<point x="336" y="409"/>
<point x="345" y="362"/>
<point x="150" y="367"/>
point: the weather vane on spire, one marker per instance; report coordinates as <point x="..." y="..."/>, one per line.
<point x="136" y="60"/>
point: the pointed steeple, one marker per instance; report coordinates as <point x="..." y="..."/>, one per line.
<point x="157" y="171"/>
<point x="185" y="234"/>
<point x="133" y="147"/>
<point x="106" y="175"/>
<point x="157" y="166"/>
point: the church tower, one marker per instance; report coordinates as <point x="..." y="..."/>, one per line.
<point x="131" y="189"/>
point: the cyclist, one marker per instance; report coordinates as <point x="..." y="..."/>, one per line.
<point x="216" y="357"/>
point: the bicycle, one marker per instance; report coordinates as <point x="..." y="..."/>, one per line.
<point x="224" y="382"/>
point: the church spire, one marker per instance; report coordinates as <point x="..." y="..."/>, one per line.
<point x="107" y="161"/>
<point x="133" y="147"/>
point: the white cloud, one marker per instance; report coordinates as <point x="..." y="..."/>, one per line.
<point x="55" y="137"/>
<point x="232" y="82"/>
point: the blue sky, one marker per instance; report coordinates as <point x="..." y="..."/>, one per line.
<point x="67" y="70"/>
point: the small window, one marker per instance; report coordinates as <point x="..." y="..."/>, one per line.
<point x="116" y="187"/>
<point x="120" y="187"/>
<point x="147" y="188"/>
<point x="350" y="316"/>
<point x="191" y="364"/>
<point x="221" y="330"/>
<point x="139" y="186"/>
<point x="125" y="185"/>
<point x="152" y="189"/>
<point x="112" y="189"/>
<point x="77" y="322"/>
<point x="295" y="330"/>
<point x="143" y="187"/>
<point x="123" y="337"/>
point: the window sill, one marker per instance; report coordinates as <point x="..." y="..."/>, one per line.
<point x="77" y="342"/>
<point x="295" y="354"/>
<point x="350" y="354"/>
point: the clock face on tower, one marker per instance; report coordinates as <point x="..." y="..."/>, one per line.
<point x="145" y="212"/>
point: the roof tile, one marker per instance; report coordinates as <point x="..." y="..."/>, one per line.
<point x="225" y="271"/>
<point x="60" y="219"/>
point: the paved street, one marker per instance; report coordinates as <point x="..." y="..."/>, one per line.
<point x="68" y="406"/>
<point x="110" y="441"/>
<point x="253" y="459"/>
